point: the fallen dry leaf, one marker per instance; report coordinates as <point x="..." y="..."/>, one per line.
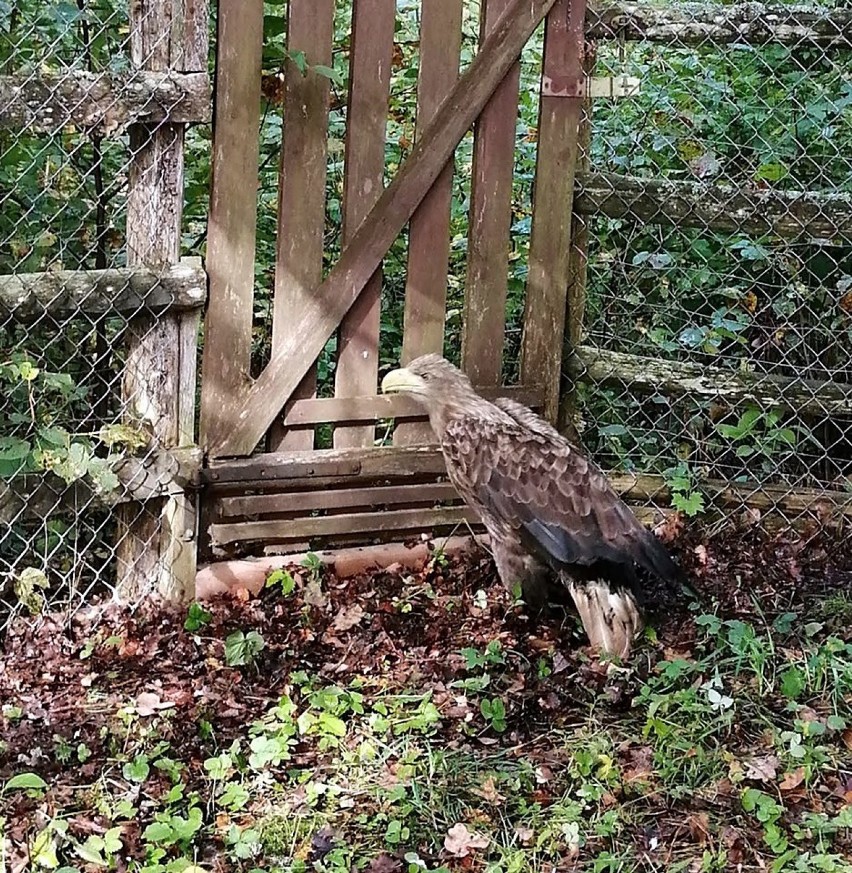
<point x="489" y="792"/>
<point x="384" y="863"/>
<point x="670" y="528"/>
<point x="149" y="704"/>
<point x="543" y="774"/>
<point x="793" y="779"/>
<point x="560" y="663"/>
<point x="846" y="736"/>
<point x="699" y="827"/>
<point x="459" y="841"/>
<point x="763" y="768"/>
<point x="524" y="834"/>
<point x="348" y="617"/>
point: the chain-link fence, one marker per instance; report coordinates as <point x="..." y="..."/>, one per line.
<point x="710" y="310"/>
<point x="93" y="97"/>
<point x="717" y="199"/>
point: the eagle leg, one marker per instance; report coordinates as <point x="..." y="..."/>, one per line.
<point x="611" y="617"/>
<point x="516" y="567"/>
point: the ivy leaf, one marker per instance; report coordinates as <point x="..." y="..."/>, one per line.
<point x="132" y="438"/>
<point x="196" y="617"/>
<point x="13" y="449"/>
<point x="102" y="476"/>
<point x="75" y="464"/>
<point x="242" y="649"/>
<point x="55" y="437"/>
<point x="328" y="73"/>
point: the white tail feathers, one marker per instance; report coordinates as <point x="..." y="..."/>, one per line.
<point x="611" y="619"/>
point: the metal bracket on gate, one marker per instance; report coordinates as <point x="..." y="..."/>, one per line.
<point x="614" y="87"/>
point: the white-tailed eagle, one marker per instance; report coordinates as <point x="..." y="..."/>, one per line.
<point x="549" y="511"/>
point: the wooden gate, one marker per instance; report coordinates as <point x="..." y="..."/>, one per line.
<point x="266" y="483"/>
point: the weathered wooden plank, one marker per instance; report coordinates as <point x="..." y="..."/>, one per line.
<point x="261" y="402"/>
<point x="341" y="498"/>
<point x="301" y="191"/>
<point x="375" y="408"/>
<point x="357" y="369"/>
<point x="679" y="378"/>
<point x="156" y="543"/>
<point x="27" y="296"/>
<point x="429" y="230"/>
<point x="486" y="284"/>
<point x="48" y="102"/>
<point x="374" y="523"/>
<point x="717" y="24"/>
<point x="389" y="461"/>
<point x="550" y="240"/>
<point x="233" y="218"/>
<point x="770" y="498"/>
<point x="715" y="207"/>
<point x="789" y="503"/>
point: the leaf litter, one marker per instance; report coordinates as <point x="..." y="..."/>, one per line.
<point x="70" y="685"/>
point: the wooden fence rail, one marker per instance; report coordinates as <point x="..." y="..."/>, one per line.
<point x="110" y="101"/>
<point x="119" y="291"/>
<point x="714" y="24"/>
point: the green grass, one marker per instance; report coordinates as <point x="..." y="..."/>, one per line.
<point x="724" y="744"/>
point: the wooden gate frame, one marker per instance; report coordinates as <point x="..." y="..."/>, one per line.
<point x="237" y="413"/>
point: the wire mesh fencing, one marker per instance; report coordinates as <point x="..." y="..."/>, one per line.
<point x="89" y="98"/>
<point x="716" y="204"/>
<point x="710" y="310"/>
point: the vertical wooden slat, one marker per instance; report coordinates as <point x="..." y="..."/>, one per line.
<point x="490" y="220"/>
<point x="429" y="231"/>
<point x="156" y="545"/>
<point x="301" y="192"/>
<point x="559" y="117"/>
<point x="366" y="123"/>
<point x="578" y="258"/>
<point x="233" y="217"/>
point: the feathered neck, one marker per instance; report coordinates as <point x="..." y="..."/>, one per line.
<point x="462" y="402"/>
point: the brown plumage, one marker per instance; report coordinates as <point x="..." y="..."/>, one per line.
<point x="550" y="512"/>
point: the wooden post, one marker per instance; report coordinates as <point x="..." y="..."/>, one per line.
<point x="156" y="548"/>
<point x="578" y="261"/>
<point x="233" y="216"/>
<point x="301" y="190"/>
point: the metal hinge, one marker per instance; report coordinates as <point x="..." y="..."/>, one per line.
<point x="614" y="87"/>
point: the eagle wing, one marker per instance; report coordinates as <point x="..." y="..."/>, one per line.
<point x="563" y="508"/>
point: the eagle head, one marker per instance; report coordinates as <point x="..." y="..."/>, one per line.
<point x="429" y="378"/>
<point x="442" y="389"/>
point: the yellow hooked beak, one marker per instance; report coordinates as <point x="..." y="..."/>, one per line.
<point x="402" y="380"/>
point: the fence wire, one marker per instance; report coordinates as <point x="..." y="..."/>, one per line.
<point x="65" y="418"/>
<point x="718" y="317"/>
<point x="713" y="366"/>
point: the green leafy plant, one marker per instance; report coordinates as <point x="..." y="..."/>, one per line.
<point x="686" y="497"/>
<point x="197" y="617"/>
<point x="243" y="648"/>
<point x="494" y="713"/>
<point x="759" y="433"/>
<point x="283" y="580"/>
